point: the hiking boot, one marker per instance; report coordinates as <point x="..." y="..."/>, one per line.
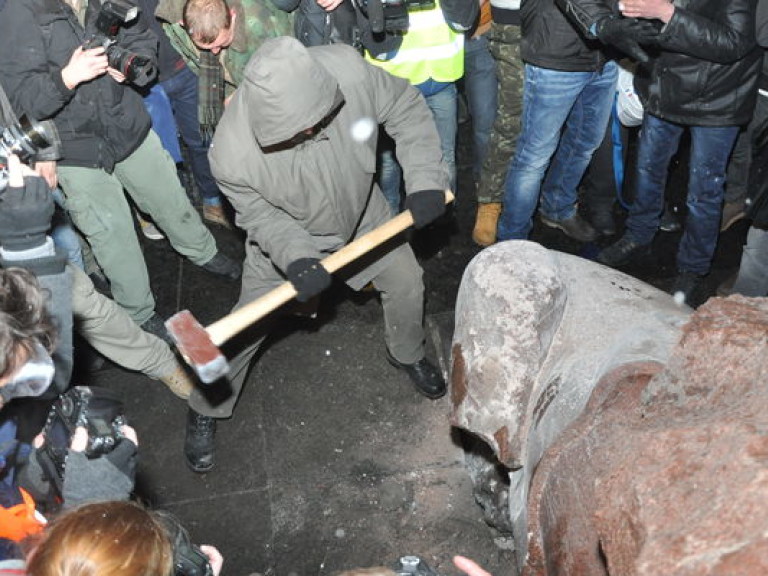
<point x="622" y="252"/>
<point x="156" y="326"/>
<point x="223" y="265"/>
<point x="732" y="213"/>
<point x="199" y="442"/>
<point x="486" y="221"/>
<point x="574" y="227"/>
<point x="214" y="214"/>
<point x="685" y="286"/>
<point x="178" y="382"/>
<point x="424" y="375"/>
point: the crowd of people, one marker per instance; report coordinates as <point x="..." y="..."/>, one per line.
<point x="314" y="122"/>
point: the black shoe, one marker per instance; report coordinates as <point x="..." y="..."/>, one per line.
<point x="424" y="375"/>
<point x="156" y="326"/>
<point x="575" y="227"/>
<point x="602" y="221"/>
<point x="199" y="442"/>
<point x="670" y="220"/>
<point x="686" y="284"/>
<point x="622" y="252"/>
<point x="223" y="265"/>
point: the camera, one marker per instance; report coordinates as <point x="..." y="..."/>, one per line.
<point x="112" y="15"/>
<point x="24" y="139"/>
<point x="188" y="559"/>
<point x="391" y="15"/>
<point x="98" y="410"/>
<point x="407" y="565"/>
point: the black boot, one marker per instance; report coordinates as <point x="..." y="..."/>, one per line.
<point x="199" y="443"/>
<point x="424" y="375"/>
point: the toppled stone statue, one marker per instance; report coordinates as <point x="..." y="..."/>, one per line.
<point x="634" y="432"/>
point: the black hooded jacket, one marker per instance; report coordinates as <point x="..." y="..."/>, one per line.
<point x="100" y="122"/>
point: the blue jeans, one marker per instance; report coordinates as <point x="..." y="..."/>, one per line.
<point x="182" y="90"/>
<point x="481" y="87"/>
<point x="710" y="150"/>
<point x="564" y="114"/>
<point x="443" y="107"/>
<point x="163" y="123"/>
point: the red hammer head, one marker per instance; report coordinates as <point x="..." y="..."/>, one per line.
<point x="196" y="347"/>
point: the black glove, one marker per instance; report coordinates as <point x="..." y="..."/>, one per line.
<point x="426" y="206"/>
<point x="308" y="277"/>
<point x="25" y="215"/>
<point x="627" y="34"/>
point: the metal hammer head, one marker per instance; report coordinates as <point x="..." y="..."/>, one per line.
<point x="196" y="346"/>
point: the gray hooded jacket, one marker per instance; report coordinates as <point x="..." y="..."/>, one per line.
<point x="306" y="199"/>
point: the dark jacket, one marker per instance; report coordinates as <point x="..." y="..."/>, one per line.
<point x="314" y="26"/>
<point x="704" y="72"/>
<point x="100" y="122"/>
<point x="550" y="40"/>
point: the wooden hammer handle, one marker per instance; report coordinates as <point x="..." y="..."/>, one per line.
<point x="234" y="323"/>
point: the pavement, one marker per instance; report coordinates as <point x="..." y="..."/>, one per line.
<point x="332" y="461"/>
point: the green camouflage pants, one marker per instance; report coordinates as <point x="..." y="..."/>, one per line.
<point x="505" y="47"/>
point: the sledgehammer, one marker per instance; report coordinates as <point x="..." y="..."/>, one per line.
<point x="199" y="345"/>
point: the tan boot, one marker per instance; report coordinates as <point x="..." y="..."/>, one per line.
<point x="214" y="214"/>
<point x="488" y="214"/>
<point x="179" y="382"/>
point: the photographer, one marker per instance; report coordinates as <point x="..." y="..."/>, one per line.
<point x="109" y="539"/>
<point x="106" y="143"/>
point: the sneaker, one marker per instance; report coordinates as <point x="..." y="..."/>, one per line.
<point x="424" y="375"/>
<point x="685" y="286"/>
<point x="156" y="326"/>
<point x="484" y="233"/>
<point x="574" y="227"/>
<point x="732" y="213"/>
<point x="223" y="265"/>
<point x="622" y="252"/>
<point x="214" y="214"/>
<point x="148" y="228"/>
<point x="178" y="382"/>
<point x="199" y="442"/>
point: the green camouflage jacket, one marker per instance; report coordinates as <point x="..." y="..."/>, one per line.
<point x="256" y="21"/>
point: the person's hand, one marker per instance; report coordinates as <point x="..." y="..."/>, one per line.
<point x="215" y="559"/>
<point x="329" y="5"/>
<point x="308" y="277"/>
<point x="109" y="476"/>
<point x="426" y="206"/>
<point x="469" y="567"/>
<point x="47" y="170"/>
<point x="660" y="9"/>
<point x="84" y="65"/>
<point x="116" y="75"/>
<point x="627" y="34"/>
<point x="26" y="208"/>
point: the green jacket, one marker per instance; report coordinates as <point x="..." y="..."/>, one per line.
<point x="257" y="20"/>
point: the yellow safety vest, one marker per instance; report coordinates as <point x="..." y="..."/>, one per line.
<point x="430" y="49"/>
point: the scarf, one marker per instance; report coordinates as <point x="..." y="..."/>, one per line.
<point x="210" y="104"/>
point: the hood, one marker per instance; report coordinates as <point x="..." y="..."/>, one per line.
<point x="289" y="90"/>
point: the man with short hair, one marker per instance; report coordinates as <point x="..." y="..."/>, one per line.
<point x="107" y="145"/>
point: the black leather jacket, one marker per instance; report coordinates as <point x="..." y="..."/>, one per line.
<point x="100" y="122"/>
<point x="551" y="40"/>
<point x="705" y="70"/>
